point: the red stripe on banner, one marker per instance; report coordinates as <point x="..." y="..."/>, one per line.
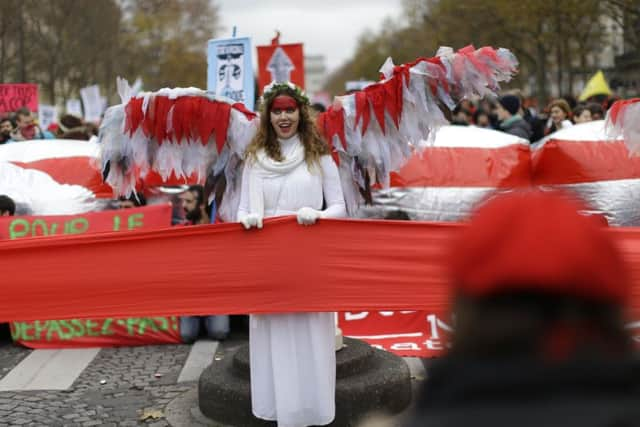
<point x="336" y="265"/>
<point x="503" y="167"/>
<point x="79" y="170"/>
<point x="573" y="162"/>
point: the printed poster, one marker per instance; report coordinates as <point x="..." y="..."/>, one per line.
<point x="230" y="70"/>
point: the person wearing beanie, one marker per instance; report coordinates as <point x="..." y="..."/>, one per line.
<point x="511" y="121"/>
<point x="539" y="292"/>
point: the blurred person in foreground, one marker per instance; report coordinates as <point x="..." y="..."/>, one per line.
<point x="539" y="294"/>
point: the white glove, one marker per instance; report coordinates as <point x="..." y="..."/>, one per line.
<point x="308" y="216"/>
<point x="251" y="220"/>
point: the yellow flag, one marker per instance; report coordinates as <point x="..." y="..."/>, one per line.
<point x="596" y="86"/>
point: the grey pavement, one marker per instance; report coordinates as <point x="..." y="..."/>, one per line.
<point x="123" y="386"/>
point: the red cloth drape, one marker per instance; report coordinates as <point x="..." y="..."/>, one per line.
<point x="335" y="265"/>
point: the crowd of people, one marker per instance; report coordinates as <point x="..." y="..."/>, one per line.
<point x="22" y="125"/>
<point x="516" y="115"/>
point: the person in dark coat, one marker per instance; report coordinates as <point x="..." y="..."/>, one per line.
<point x="510" y="121"/>
<point x="539" y="295"/>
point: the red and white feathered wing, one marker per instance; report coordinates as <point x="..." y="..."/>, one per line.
<point x="188" y="132"/>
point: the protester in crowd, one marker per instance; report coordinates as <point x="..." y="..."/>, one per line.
<point x="482" y="119"/>
<point x="489" y="107"/>
<point x="597" y="112"/>
<point x="530" y="115"/>
<point x="461" y="116"/>
<point x="216" y="327"/>
<point x="540" y="340"/>
<point x="510" y="121"/>
<point x="581" y="114"/>
<point x="134" y="201"/>
<point x="72" y="127"/>
<point x="26" y="127"/>
<point x="289" y="171"/>
<point x="7" y="206"/>
<point x="559" y="115"/>
<point x="6" y="128"/>
<point x="570" y="100"/>
<point x="398" y="215"/>
<point x="468" y="106"/>
<point x="318" y="107"/>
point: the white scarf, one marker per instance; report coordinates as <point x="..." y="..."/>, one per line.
<point x="267" y="168"/>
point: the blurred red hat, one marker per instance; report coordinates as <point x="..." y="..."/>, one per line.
<point x="539" y="241"/>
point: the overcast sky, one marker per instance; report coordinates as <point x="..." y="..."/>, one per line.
<point x="328" y="27"/>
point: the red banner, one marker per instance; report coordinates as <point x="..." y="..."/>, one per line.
<point x="148" y="217"/>
<point x="336" y="265"/>
<point x="14" y="96"/>
<point x="282" y="62"/>
<point x="96" y="332"/>
<point x="405" y="333"/>
<point x="91" y="332"/>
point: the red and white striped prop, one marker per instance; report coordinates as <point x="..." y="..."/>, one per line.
<point x="65" y="161"/>
<point x="586" y="159"/>
<point x="623" y="120"/>
<point x="445" y="181"/>
<point x="53" y="177"/>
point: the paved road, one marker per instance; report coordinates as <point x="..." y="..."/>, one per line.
<point x="125" y="386"/>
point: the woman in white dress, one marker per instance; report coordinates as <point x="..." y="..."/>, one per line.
<point x="289" y="171"/>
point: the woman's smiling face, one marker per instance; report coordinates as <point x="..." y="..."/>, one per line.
<point x="285" y="116"/>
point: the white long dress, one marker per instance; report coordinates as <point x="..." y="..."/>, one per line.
<point x="293" y="361"/>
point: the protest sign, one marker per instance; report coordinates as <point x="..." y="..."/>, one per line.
<point x="74" y="107"/>
<point x="14" y="96"/>
<point x="230" y="71"/>
<point x="93" y="103"/>
<point x="280" y="62"/>
<point x="47" y="114"/>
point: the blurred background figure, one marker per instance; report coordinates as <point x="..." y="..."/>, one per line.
<point x="559" y="115"/>
<point x="7" y="206"/>
<point x="134" y="201"/>
<point x="511" y="122"/>
<point x="581" y="114"/>
<point x="26" y="127"/>
<point x="482" y="119"/>
<point x="597" y="112"/>
<point x="539" y="293"/>
<point x="72" y="127"/>
<point x="6" y="128"/>
<point x="461" y="116"/>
